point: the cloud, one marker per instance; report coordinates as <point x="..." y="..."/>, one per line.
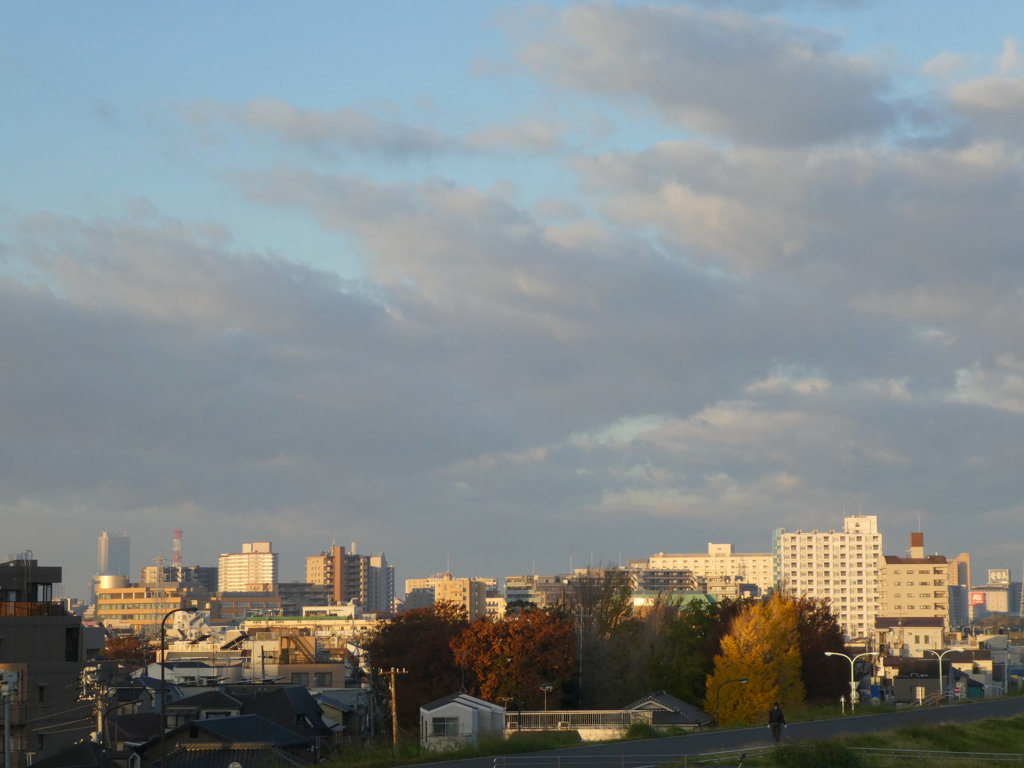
<point x="993" y="106"/>
<point x="1000" y="386"/>
<point x="753" y="80"/>
<point x="350" y="129"/>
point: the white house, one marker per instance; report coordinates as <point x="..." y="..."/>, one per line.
<point x="459" y="719"/>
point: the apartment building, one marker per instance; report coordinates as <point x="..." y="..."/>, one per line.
<point x="367" y="579"/>
<point x="471" y="594"/>
<point x="190" y="575"/>
<point x="839" y="566"/>
<point x="720" y="560"/>
<point x="254" y="569"/>
<point x="541" y="591"/>
<point x="915" y="586"/>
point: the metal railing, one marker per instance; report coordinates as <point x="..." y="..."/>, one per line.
<point x="934" y="754"/>
<point x="569" y="720"/>
<point x="31" y="609"/>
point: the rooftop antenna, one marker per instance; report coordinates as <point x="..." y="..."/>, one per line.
<point x="448" y="567"/>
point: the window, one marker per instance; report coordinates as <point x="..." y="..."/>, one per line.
<point x="323" y="679"/>
<point x="300" y="678"/>
<point x="445" y="726"/>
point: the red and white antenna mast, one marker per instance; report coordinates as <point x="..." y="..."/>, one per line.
<point x="177" y="548"/>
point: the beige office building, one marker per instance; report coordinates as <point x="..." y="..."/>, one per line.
<point x="915" y="586"/>
<point x="839" y="566"/>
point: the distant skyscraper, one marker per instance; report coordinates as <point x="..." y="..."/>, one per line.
<point x="114" y="554"/>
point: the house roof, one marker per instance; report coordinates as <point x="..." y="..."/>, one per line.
<point x="206" y="700"/>
<point x="219" y="755"/>
<point x="84" y="754"/>
<point x="137" y="728"/>
<point x="291" y="706"/>
<point x="461" y="698"/>
<point x="329" y="701"/>
<point x="251" y="729"/>
<point x="666" y="702"/>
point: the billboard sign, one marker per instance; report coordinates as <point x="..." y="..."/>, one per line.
<point x="977" y="598"/>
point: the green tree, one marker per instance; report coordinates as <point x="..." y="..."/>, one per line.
<point x="763" y="647"/>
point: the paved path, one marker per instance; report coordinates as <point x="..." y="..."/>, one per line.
<point x="720" y="741"/>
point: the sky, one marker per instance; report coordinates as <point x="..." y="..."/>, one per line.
<point x="497" y="287"/>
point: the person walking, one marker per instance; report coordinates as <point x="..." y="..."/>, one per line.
<point x="776" y="720"/>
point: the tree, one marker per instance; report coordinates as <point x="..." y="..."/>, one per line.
<point x="819" y="631"/>
<point x="129" y="649"/>
<point x="514" y="655"/>
<point x="419" y="642"/>
<point x="600" y="602"/>
<point x="763" y="647"/>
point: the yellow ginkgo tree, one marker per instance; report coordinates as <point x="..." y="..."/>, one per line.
<point x="762" y="647"/>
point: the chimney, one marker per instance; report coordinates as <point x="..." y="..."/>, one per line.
<point x="917" y="545"/>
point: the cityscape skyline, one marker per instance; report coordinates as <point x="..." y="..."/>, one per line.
<point x="477" y="280"/>
<point x="291" y="572"/>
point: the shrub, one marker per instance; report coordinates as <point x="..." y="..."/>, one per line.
<point x="816" y="754"/>
<point x="638" y="731"/>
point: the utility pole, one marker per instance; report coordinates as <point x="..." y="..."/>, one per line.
<point x="579" y="623"/>
<point x="392" y="673"/>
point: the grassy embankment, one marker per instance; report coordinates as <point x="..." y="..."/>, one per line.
<point x="1001" y="735"/>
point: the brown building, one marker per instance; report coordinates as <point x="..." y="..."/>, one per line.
<point x="366" y="579"/>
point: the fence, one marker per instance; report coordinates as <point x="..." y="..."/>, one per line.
<point x="575" y="719"/>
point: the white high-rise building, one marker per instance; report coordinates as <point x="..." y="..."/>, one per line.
<point x="254" y="569"/>
<point x="841" y="567"/>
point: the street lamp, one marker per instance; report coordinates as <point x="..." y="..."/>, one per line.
<point x="718" y="694"/>
<point x="853" y="674"/>
<point x="547" y="689"/>
<point x="942" y="680"/>
<point x="163" y="675"/>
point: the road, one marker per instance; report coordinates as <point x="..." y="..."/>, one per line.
<point x="720" y="741"/>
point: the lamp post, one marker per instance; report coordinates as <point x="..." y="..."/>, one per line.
<point x="718" y="694"/>
<point x="547" y="689"/>
<point x="942" y="680"/>
<point x="853" y="674"/>
<point x="163" y="676"/>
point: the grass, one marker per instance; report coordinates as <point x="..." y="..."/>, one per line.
<point x="997" y="735"/>
<point x="1002" y="735"/>
<point x="409" y="751"/>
